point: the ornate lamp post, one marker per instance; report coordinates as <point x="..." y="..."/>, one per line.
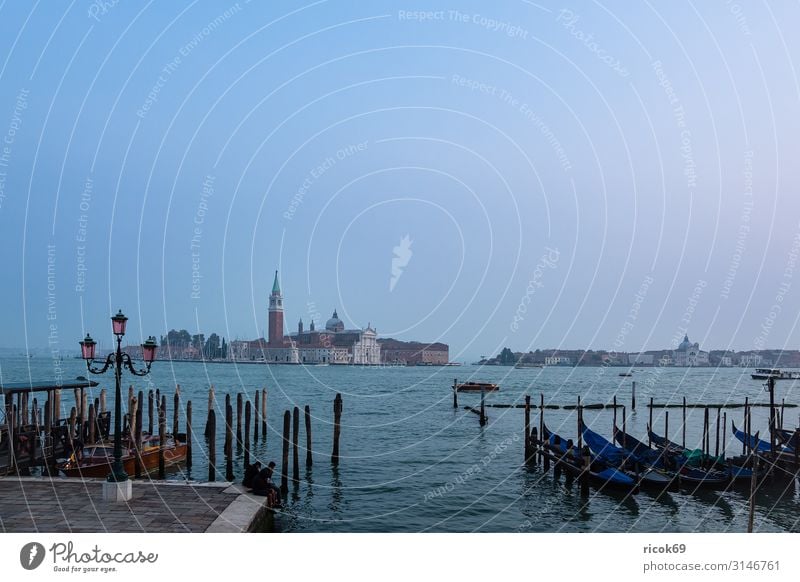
<point x="118" y="360"/>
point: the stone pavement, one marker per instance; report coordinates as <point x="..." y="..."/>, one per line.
<point x="60" y="505"/>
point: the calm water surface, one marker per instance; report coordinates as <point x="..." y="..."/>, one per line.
<point x="410" y="462"/>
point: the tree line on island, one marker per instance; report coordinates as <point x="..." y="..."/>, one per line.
<point x="716" y="358"/>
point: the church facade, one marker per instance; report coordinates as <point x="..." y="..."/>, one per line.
<point x="332" y="345"/>
<point x="689" y="354"/>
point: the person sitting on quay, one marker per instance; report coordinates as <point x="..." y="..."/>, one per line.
<point x="249" y="474"/>
<point x="263" y="485"/>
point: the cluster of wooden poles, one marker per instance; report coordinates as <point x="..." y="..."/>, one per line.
<point x="257" y="412"/>
<point x="82" y="420"/>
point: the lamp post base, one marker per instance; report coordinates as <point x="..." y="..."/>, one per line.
<point x="117" y="491"/>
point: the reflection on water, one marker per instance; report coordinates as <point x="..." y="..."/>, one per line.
<point x="411" y="462"/>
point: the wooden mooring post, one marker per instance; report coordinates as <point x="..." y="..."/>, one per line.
<point x="614" y="427"/>
<point x="542" y="452"/>
<point x="287" y="420"/>
<point x="256" y="409"/>
<point x="683" y="425"/>
<point x="309" y="459"/>
<point x="56" y="408"/>
<point x="744" y="423"/>
<point x="211" y="399"/>
<point x="295" y="445"/>
<point x="264" y="415"/>
<point x="211" y="428"/>
<point x="162" y="437"/>
<point x="783" y="410"/>
<point x="337" y="419"/>
<point x="73" y="414"/>
<point x="239" y="404"/>
<point x="150" y="408"/>
<point x="650" y="425"/>
<point x="633" y="396"/>
<point x="189" y="434"/>
<point x="753" y="488"/>
<point x="483" y="406"/>
<point x="586" y="465"/>
<point x="716" y="443"/>
<point x="724" y="432"/>
<point x="534" y="444"/>
<point x="228" y="438"/>
<point x="137" y="431"/>
<point x="176" y="412"/>
<point x="247" y="413"/>
<point x="527" y="428"/>
<point x="455" y="392"/>
<point x="580" y="424"/>
<point x="624" y="429"/>
<point x="92" y="424"/>
<point x="134" y="413"/>
<point x="102" y="401"/>
<point x="705" y="436"/>
<point x="24" y="409"/>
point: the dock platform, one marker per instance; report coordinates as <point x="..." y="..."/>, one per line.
<point x="59" y="505"/>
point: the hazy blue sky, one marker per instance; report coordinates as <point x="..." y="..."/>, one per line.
<point x="599" y="175"/>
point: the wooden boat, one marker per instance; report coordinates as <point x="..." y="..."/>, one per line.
<point x="477" y="387"/>
<point x="752" y="441"/>
<point x="96" y="460"/>
<point x="642" y="450"/>
<point x="601" y="474"/>
<point x="647" y="476"/>
<point x="626" y="374"/>
<point x="689" y="477"/>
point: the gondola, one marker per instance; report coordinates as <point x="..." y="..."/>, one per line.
<point x="654" y="458"/>
<point x="695" y="457"/>
<point x="692" y="457"/>
<point x="752" y="441"/>
<point x="627" y="462"/>
<point x="690" y="477"/>
<point x="601" y="474"/>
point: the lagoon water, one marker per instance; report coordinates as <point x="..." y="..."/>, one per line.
<point x="410" y="462"/>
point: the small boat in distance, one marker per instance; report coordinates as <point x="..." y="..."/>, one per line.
<point x="626" y="374"/>
<point x="477" y="387"/>
<point x="767" y="373"/>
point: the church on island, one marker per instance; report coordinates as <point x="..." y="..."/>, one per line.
<point x="332" y="345"/>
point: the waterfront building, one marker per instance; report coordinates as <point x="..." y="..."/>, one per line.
<point x="335" y="344"/>
<point x="689" y="354"/>
<point x="752" y="360"/>
<point x="641" y="359"/>
<point x="239" y="351"/>
<point x="332" y="345"/>
<point x="413" y="353"/>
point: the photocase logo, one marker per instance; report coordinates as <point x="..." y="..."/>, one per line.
<point x="402" y="255"/>
<point x="31" y="555"/>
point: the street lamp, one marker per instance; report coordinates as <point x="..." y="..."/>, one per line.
<point x="118" y="360"/>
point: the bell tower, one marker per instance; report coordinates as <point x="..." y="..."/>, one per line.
<point x="275" y="325"/>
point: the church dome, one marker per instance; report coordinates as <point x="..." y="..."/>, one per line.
<point x="334" y="323"/>
<point x="685" y="344"/>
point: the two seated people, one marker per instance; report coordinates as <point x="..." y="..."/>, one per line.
<point x="260" y="481"/>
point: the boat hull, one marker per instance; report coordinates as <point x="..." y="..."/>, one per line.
<point x="99" y="463"/>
